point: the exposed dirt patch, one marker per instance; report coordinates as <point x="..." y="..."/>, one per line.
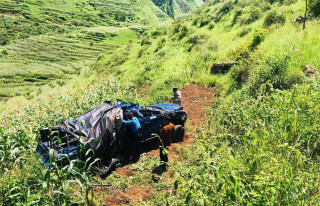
<point x="124" y="172"/>
<point x="11" y="15"/>
<point x="132" y="196"/>
<point x="195" y="99"/>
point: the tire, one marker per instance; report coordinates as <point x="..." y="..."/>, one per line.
<point x="178" y="134"/>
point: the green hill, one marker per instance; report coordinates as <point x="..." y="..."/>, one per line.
<point x="260" y="145"/>
<point x="51" y="41"/>
<point x="29" y="31"/>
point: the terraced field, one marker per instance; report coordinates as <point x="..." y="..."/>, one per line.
<point x="32" y="62"/>
<point x="45" y="42"/>
<point x="85" y="12"/>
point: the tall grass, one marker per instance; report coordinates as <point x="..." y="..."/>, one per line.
<point x="261" y="151"/>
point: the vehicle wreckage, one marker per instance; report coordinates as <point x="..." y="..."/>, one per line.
<point x="101" y="131"/>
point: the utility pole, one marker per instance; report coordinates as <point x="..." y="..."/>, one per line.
<point x="305" y="16"/>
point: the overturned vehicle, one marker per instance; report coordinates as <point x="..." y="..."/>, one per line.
<point x="101" y="131"/>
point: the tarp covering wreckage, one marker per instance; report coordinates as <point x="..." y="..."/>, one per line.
<point x="101" y="131"/>
<point x="97" y="128"/>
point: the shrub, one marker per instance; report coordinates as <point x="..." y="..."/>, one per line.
<point x="160" y="44"/>
<point x="197" y="39"/>
<point x="273" y="17"/>
<point x="236" y="16"/>
<point x="211" y="26"/>
<point x="258" y="37"/>
<point x="251" y="14"/>
<point x="195" y="21"/>
<point x="183" y="32"/>
<point x="273" y="71"/>
<point x="241" y="52"/>
<point x="204" y="22"/>
<point x="155" y="33"/>
<point x="4" y="52"/>
<point x="244" y="31"/>
<point x="226" y="7"/>
<point x="314" y="6"/>
<point x="239" y="75"/>
<point x="145" y="41"/>
<point x="176" y="28"/>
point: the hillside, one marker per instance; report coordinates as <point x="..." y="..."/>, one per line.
<point x="256" y="142"/>
<point x="46" y="43"/>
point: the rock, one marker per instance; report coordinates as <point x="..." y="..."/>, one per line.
<point x="222" y="67"/>
<point x="308" y="69"/>
<point x="155" y="177"/>
<point x="300" y="19"/>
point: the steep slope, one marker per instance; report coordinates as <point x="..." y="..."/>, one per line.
<point x="28" y="27"/>
<point x="259" y="146"/>
<point x="49" y="41"/>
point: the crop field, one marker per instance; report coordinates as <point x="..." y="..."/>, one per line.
<point x="34" y="61"/>
<point x="49" y="42"/>
<point x="84" y="12"/>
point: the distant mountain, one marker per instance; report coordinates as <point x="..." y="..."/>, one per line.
<point x="176" y="8"/>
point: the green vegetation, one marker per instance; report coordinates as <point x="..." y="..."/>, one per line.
<point x="315" y="7"/>
<point x="176" y="8"/>
<point x="35" y="36"/>
<point x="260" y="144"/>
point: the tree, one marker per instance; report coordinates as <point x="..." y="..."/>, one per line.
<point x="305" y="16"/>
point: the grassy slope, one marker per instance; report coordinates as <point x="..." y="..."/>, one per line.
<point x="49" y="41"/>
<point x="256" y="149"/>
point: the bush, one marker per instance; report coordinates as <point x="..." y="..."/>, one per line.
<point x="183" y="32"/>
<point x="195" y="21"/>
<point x="4" y="52"/>
<point x="226" y="7"/>
<point x="211" y="26"/>
<point x="145" y="41"/>
<point x="251" y="14"/>
<point x="204" y="22"/>
<point x="273" y="17"/>
<point x="274" y="71"/>
<point x="258" y="37"/>
<point x="239" y="75"/>
<point x="314" y="6"/>
<point x="236" y="16"/>
<point x="244" y="31"/>
<point x="241" y="52"/>
<point x="160" y="44"/>
<point x="155" y="34"/>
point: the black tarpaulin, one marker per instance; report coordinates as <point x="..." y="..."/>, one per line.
<point x="99" y="126"/>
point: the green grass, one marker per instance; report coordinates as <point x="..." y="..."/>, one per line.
<point x="49" y="39"/>
<point x="259" y="147"/>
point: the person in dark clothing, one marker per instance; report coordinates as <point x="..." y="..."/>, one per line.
<point x="134" y="128"/>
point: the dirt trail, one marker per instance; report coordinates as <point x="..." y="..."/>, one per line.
<point x="195" y="99"/>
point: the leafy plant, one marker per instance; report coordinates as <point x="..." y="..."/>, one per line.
<point x="273" y="17"/>
<point x="314" y="6"/>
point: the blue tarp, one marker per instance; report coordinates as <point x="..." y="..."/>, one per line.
<point x="167" y="107"/>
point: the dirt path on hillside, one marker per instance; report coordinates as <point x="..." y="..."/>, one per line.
<point x="195" y="99"/>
